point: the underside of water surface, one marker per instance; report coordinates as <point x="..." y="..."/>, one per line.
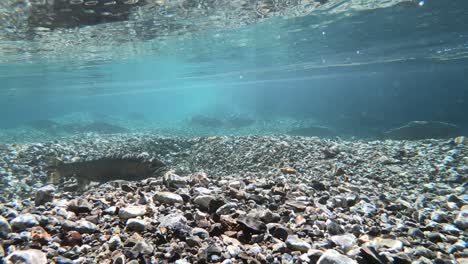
<point x="352" y="69"/>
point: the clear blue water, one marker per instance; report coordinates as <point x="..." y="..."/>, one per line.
<point x="357" y="71"/>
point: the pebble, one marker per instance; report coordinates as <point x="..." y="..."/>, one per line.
<point x="115" y="242"/>
<point x="137" y="225"/>
<point x="294" y="243"/>
<point x="168" y="198"/>
<point x="44" y="194"/>
<point x="332" y="256"/>
<point x="29" y="256"/>
<point x="344" y="241"/>
<point x="80" y="205"/>
<point x="22" y="222"/>
<point x="461" y="220"/>
<point x="132" y="211"/>
<point x="5" y="227"/>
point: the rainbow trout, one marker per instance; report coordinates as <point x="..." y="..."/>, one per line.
<point x="106" y="169"/>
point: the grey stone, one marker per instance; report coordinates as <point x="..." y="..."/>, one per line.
<point x="461" y="221"/>
<point x="24" y="221"/>
<point x="200" y="232"/>
<point x="168" y="198"/>
<point x="29" y="256"/>
<point x="115" y="242"/>
<point x="137" y="225"/>
<point x="132" y="211"/>
<point x="80" y="205"/>
<point x="344" y="241"/>
<point x="84" y="226"/>
<point x="332" y="256"/>
<point x="333" y="228"/>
<point x="44" y="194"/>
<point x="203" y="201"/>
<point x="5" y="227"/>
<point x="294" y="243"/>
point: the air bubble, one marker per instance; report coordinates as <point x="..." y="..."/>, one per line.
<point x="110" y="3"/>
<point x="76" y="2"/>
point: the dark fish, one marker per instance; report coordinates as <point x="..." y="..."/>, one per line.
<point x="107" y="169"/>
<point x="417" y="130"/>
<point x="43" y="124"/>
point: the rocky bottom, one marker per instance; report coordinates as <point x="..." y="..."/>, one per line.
<point x="242" y="200"/>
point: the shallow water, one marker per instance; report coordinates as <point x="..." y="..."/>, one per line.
<point x="359" y="69"/>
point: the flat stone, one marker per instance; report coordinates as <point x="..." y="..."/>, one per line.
<point x="168" y="198"/>
<point x="29" y="256"/>
<point x="80" y="205"/>
<point x="387" y="243"/>
<point x="332" y="256"/>
<point x="132" y="211"/>
<point x="24" y="221"/>
<point x="203" y="201"/>
<point x="44" y="194"/>
<point x="137" y="225"/>
<point x="84" y="226"/>
<point x="251" y="224"/>
<point x="344" y="241"/>
<point x="294" y="243"/>
<point x="5" y="227"/>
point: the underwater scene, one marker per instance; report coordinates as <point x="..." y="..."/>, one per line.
<point x="242" y="131"/>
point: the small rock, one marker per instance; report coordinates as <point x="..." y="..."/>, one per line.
<point x="141" y="248"/>
<point x="29" y="256"/>
<point x="390" y="244"/>
<point x="344" y="241"/>
<point x="44" y="194"/>
<point x="80" y="205"/>
<point x="5" y="227"/>
<point x="251" y="224"/>
<point x="333" y="228"/>
<point x="332" y="256"/>
<point x="294" y="243"/>
<point x="39" y="235"/>
<point x="200" y="232"/>
<point x="461" y="221"/>
<point x="233" y="250"/>
<point x="72" y="238"/>
<point x="203" y="201"/>
<point x="132" y="211"/>
<point x="24" y="221"/>
<point x="278" y="231"/>
<point x="84" y="226"/>
<point x="137" y="225"/>
<point x="115" y="242"/>
<point x="168" y="198"/>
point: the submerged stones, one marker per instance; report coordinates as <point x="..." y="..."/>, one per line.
<point x="391" y="202"/>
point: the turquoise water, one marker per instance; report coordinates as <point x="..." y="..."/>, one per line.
<point x="359" y="69"/>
